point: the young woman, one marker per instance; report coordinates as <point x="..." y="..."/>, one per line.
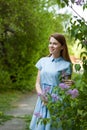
<point x="49" y="70"/>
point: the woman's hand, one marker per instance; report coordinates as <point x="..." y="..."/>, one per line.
<point x="44" y="103"/>
<point x="68" y="82"/>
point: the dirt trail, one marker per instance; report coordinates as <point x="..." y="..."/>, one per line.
<point x="24" y="107"/>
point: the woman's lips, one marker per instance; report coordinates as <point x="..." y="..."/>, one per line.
<point x="51" y="50"/>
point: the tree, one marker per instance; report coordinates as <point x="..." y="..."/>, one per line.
<point x="25" y="28"/>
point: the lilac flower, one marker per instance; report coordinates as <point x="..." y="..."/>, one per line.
<point x="74" y="93"/>
<point x="54" y="96"/>
<point x="43" y="96"/>
<point x="38" y="115"/>
<point x="63" y="86"/>
<point x="46" y="90"/>
<point x="79" y="2"/>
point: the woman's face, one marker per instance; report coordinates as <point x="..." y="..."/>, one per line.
<point x="55" y="47"/>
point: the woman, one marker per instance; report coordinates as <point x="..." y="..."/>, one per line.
<point x="49" y="70"/>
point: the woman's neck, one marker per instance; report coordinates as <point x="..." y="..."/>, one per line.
<point x="55" y="56"/>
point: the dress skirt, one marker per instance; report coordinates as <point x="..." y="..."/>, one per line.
<point x="43" y="112"/>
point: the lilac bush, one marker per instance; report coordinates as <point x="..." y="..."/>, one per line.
<point x="61" y="104"/>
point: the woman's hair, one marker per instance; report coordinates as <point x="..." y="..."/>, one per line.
<point x="61" y="39"/>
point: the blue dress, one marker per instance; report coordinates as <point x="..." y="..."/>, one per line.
<point x="50" y="70"/>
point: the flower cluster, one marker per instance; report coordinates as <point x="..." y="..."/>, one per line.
<point x="46" y="94"/>
<point x="73" y="92"/>
<point x="63" y="86"/>
<point x="79" y="2"/>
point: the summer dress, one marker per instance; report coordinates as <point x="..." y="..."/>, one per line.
<point x="51" y="69"/>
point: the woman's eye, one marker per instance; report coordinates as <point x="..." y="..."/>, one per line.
<point x="54" y="43"/>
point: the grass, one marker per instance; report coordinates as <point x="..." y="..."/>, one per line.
<point x="27" y="119"/>
<point x="4" y="118"/>
<point x="7" y="101"/>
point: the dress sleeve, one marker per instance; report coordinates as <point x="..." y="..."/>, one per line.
<point x="68" y="71"/>
<point x="39" y="64"/>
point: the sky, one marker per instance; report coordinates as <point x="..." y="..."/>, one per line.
<point x="78" y="9"/>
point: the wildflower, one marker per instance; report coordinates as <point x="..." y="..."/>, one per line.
<point x="54" y="97"/>
<point x="37" y="114"/>
<point x="63" y="86"/>
<point x="74" y="93"/>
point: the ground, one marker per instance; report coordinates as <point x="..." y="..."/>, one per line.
<point x="24" y="107"/>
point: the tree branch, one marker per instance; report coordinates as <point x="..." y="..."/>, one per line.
<point x="77" y="13"/>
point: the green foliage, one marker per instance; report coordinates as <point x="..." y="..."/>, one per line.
<point x="77" y="67"/>
<point x="68" y="111"/>
<point x="4" y="80"/>
<point x="63" y="108"/>
<point x="24" y="34"/>
<point x="81" y="82"/>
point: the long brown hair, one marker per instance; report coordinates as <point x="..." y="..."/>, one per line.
<point x="60" y="38"/>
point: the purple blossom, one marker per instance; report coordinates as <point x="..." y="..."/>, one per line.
<point x="63" y="86"/>
<point x="38" y="115"/>
<point x="54" y="96"/>
<point x="74" y="93"/>
<point x="79" y="2"/>
<point x="43" y="96"/>
<point x="46" y="90"/>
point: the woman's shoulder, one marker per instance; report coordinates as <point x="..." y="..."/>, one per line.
<point x="66" y="62"/>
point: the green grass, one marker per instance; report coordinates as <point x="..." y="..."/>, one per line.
<point x="4" y="118"/>
<point x="7" y="101"/>
<point x="27" y="119"/>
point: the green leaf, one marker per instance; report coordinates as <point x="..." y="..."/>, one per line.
<point x="77" y="67"/>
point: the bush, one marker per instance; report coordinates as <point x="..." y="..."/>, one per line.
<point x="5" y="81"/>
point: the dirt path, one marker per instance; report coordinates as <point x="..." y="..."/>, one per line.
<point x="24" y="107"/>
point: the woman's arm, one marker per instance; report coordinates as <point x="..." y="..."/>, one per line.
<point x="37" y="85"/>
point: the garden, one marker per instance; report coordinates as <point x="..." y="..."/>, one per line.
<point x="24" y="33"/>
